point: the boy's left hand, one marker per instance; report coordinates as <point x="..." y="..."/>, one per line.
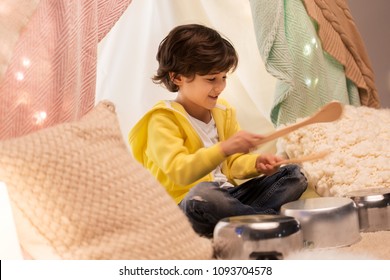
<point x="266" y="163"/>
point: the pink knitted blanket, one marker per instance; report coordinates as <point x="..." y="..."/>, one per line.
<point x="51" y="74"/>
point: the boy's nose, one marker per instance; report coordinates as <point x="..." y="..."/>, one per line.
<point x="218" y="88"/>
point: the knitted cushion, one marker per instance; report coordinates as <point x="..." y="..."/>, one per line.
<point x="77" y="193"/>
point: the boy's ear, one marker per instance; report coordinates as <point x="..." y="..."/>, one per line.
<point x="176" y="78"/>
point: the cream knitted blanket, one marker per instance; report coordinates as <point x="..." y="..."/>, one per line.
<point x="359" y="145"/>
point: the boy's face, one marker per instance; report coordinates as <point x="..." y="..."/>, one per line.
<point x="201" y="92"/>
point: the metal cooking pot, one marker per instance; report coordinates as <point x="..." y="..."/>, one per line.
<point x="373" y="208"/>
<point x="257" y="237"/>
<point x="325" y="221"/>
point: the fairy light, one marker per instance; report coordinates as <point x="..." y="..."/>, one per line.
<point x="307" y="50"/>
<point x="308" y="82"/>
<point x="26" y="62"/>
<point x="314" y="42"/>
<point x="40" y="117"/>
<point x="19" y="76"/>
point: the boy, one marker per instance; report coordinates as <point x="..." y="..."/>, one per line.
<point x="193" y="145"/>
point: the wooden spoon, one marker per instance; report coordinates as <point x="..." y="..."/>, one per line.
<point x="328" y="113"/>
<point x="311" y="157"/>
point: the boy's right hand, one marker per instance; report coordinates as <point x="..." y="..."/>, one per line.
<point x="241" y="142"/>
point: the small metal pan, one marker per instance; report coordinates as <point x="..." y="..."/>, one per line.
<point x="255" y="237"/>
<point x="326" y="221"/>
<point x="373" y="206"/>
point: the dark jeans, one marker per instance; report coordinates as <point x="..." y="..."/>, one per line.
<point x="207" y="203"/>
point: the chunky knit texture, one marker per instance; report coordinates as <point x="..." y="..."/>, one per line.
<point x="77" y="193"/>
<point x="359" y="143"/>
<point x="341" y="39"/>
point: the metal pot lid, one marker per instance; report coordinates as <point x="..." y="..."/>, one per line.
<point x="320" y="204"/>
<point x="369" y="192"/>
<point x="258" y="227"/>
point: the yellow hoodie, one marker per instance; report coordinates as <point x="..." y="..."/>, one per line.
<point x="165" y="143"/>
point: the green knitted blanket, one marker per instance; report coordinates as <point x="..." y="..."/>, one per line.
<point x="307" y="76"/>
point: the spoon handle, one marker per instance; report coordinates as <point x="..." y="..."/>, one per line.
<point x="328" y="113"/>
<point x="311" y="157"/>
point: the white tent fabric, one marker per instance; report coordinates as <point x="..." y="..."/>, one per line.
<point x="126" y="59"/>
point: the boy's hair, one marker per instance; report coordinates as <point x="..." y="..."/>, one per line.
<point x="193" y="49"/>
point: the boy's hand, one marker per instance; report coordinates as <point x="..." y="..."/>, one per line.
<point x="241" y="142"/>
<point x="265" y="163"/>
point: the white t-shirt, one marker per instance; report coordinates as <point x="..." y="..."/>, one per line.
<point x="209" y="135"/>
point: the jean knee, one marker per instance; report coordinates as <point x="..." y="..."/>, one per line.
<point x="199" y="198"/>
<point x="295" y="171"/>
<point x="201" y="208"/>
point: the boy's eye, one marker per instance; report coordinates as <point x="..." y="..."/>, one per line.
<point x="212" y="78"/>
